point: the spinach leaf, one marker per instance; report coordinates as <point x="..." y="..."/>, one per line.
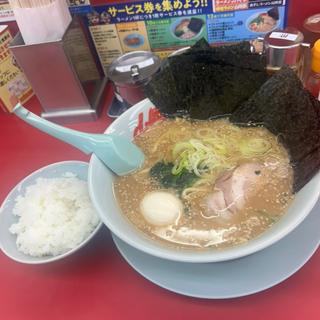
<point x="162" y="172"/>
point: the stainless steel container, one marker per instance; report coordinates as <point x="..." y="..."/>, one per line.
<point x="129" y="74"/>
<point x="63" y="75"/>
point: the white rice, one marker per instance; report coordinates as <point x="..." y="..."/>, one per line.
<point x="55" y="215"/>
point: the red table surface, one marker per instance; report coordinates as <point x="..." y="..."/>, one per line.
<point x="96" y="283"/>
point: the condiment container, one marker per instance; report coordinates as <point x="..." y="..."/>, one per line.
<point x="312" y="82"/>
<point x="129" y="74"/>
<point x="286" y="48"/>
<point x="311" y="28"/>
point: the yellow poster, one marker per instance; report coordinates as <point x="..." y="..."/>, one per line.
<point x="107" y="43"/>
<point x="6" y="13"/>
<point x="133" y="36"/>
<point x="13" y="84"/>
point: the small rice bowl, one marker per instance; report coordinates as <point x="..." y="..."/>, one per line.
<point x="55" y="215"/>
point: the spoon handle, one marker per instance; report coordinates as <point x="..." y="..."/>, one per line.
<point x="116" y="152"/>
<point x="77" y="139"/>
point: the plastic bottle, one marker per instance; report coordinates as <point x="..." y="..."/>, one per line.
<point x="313" y="80"/>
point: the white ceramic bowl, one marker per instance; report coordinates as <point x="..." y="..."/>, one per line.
<point x="100" y="187"/>
<point x="8" y="240"/>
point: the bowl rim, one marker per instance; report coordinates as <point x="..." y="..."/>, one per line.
<point x="191" y="256"/>
<point x="46" y="259"/>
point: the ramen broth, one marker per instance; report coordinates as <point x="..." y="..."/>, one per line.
<point x="251" y="151"/>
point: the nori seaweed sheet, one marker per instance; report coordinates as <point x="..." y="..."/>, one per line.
<point x="218" y="95"/>
<point x="183" y="83"/>
<point x="170" y="97"/>
<point x="238" y="55"/>
<point x="289" y="111"/>
<point x="195" y="24"/>
<point x="200" y="44"/>
<point x="274" y="13"/>
<point x="207" y="82"/>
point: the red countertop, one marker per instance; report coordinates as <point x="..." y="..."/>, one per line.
<point x="96" y="283"/>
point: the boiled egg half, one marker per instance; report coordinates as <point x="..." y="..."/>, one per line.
<point x="161" y="208"/>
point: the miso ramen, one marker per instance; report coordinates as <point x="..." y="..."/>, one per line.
<point x="206" y="183"/>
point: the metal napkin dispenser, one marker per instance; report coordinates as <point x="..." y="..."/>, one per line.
<point x="63" y="75"/>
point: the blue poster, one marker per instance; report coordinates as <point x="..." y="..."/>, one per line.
<point x="245" y="24"/>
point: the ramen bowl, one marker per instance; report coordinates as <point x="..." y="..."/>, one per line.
<point x="100" y="180"/>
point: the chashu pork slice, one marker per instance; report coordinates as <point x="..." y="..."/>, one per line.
<point x="233" y="188"/>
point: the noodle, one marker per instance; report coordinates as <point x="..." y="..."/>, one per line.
<point x="189" y="192"/>
<point x="199" y="155"/>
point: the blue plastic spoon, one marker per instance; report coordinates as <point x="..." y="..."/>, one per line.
<point x="116" y="152"/>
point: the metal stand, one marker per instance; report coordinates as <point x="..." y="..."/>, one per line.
<point x="63" y="75"/>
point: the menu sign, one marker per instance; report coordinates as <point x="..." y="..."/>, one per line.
<point x="106" y="42"/>
<point x="6" y="13"/>
<point x="176" y="32"/>
<point x="133" y="36"/>
<point x="79" y="6"/>
<point x="14" y="86"/>
<point x="165" y="26"/>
